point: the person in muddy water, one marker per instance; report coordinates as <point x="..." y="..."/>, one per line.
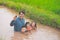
<point x="26" y="28"/>
<point x="23" y="30"/>
<point x="29" y="27"/>
<point x="33" y="25"/>
<point x="18" y="22"/>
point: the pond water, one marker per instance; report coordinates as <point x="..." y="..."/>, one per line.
<point x="7" y="32"/>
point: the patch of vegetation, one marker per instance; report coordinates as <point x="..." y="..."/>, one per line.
<point x="34" y="10"/>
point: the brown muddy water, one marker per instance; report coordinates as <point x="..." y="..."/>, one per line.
<point x="7" y="32"/>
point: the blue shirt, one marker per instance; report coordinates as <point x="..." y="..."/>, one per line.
<point x="18" y="23"/>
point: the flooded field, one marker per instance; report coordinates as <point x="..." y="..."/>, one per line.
<point x="7" y="32"/>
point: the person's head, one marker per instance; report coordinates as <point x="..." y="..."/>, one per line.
<point x="33" y="24"/>
<point x="21" y="14"/>
<point x="23" y="29"/>
<point x="27" y="24"/>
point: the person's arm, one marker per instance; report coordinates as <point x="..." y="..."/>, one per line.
<point x="12" y="22"/>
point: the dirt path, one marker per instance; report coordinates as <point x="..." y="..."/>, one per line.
<point x="7" y="33"/>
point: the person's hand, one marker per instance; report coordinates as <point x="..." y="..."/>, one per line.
<point x="14" y="18"/>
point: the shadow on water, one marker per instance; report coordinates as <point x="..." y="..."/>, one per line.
<point x="7" y="32"/>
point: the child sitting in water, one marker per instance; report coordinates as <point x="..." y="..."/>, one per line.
<point x="33" y="25"/>
<point x="23" y="29"/>
<point x="28" y="26"/>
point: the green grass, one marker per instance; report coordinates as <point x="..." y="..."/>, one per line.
<point x="42" y="11"/>
<point x="52" y="5"/>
